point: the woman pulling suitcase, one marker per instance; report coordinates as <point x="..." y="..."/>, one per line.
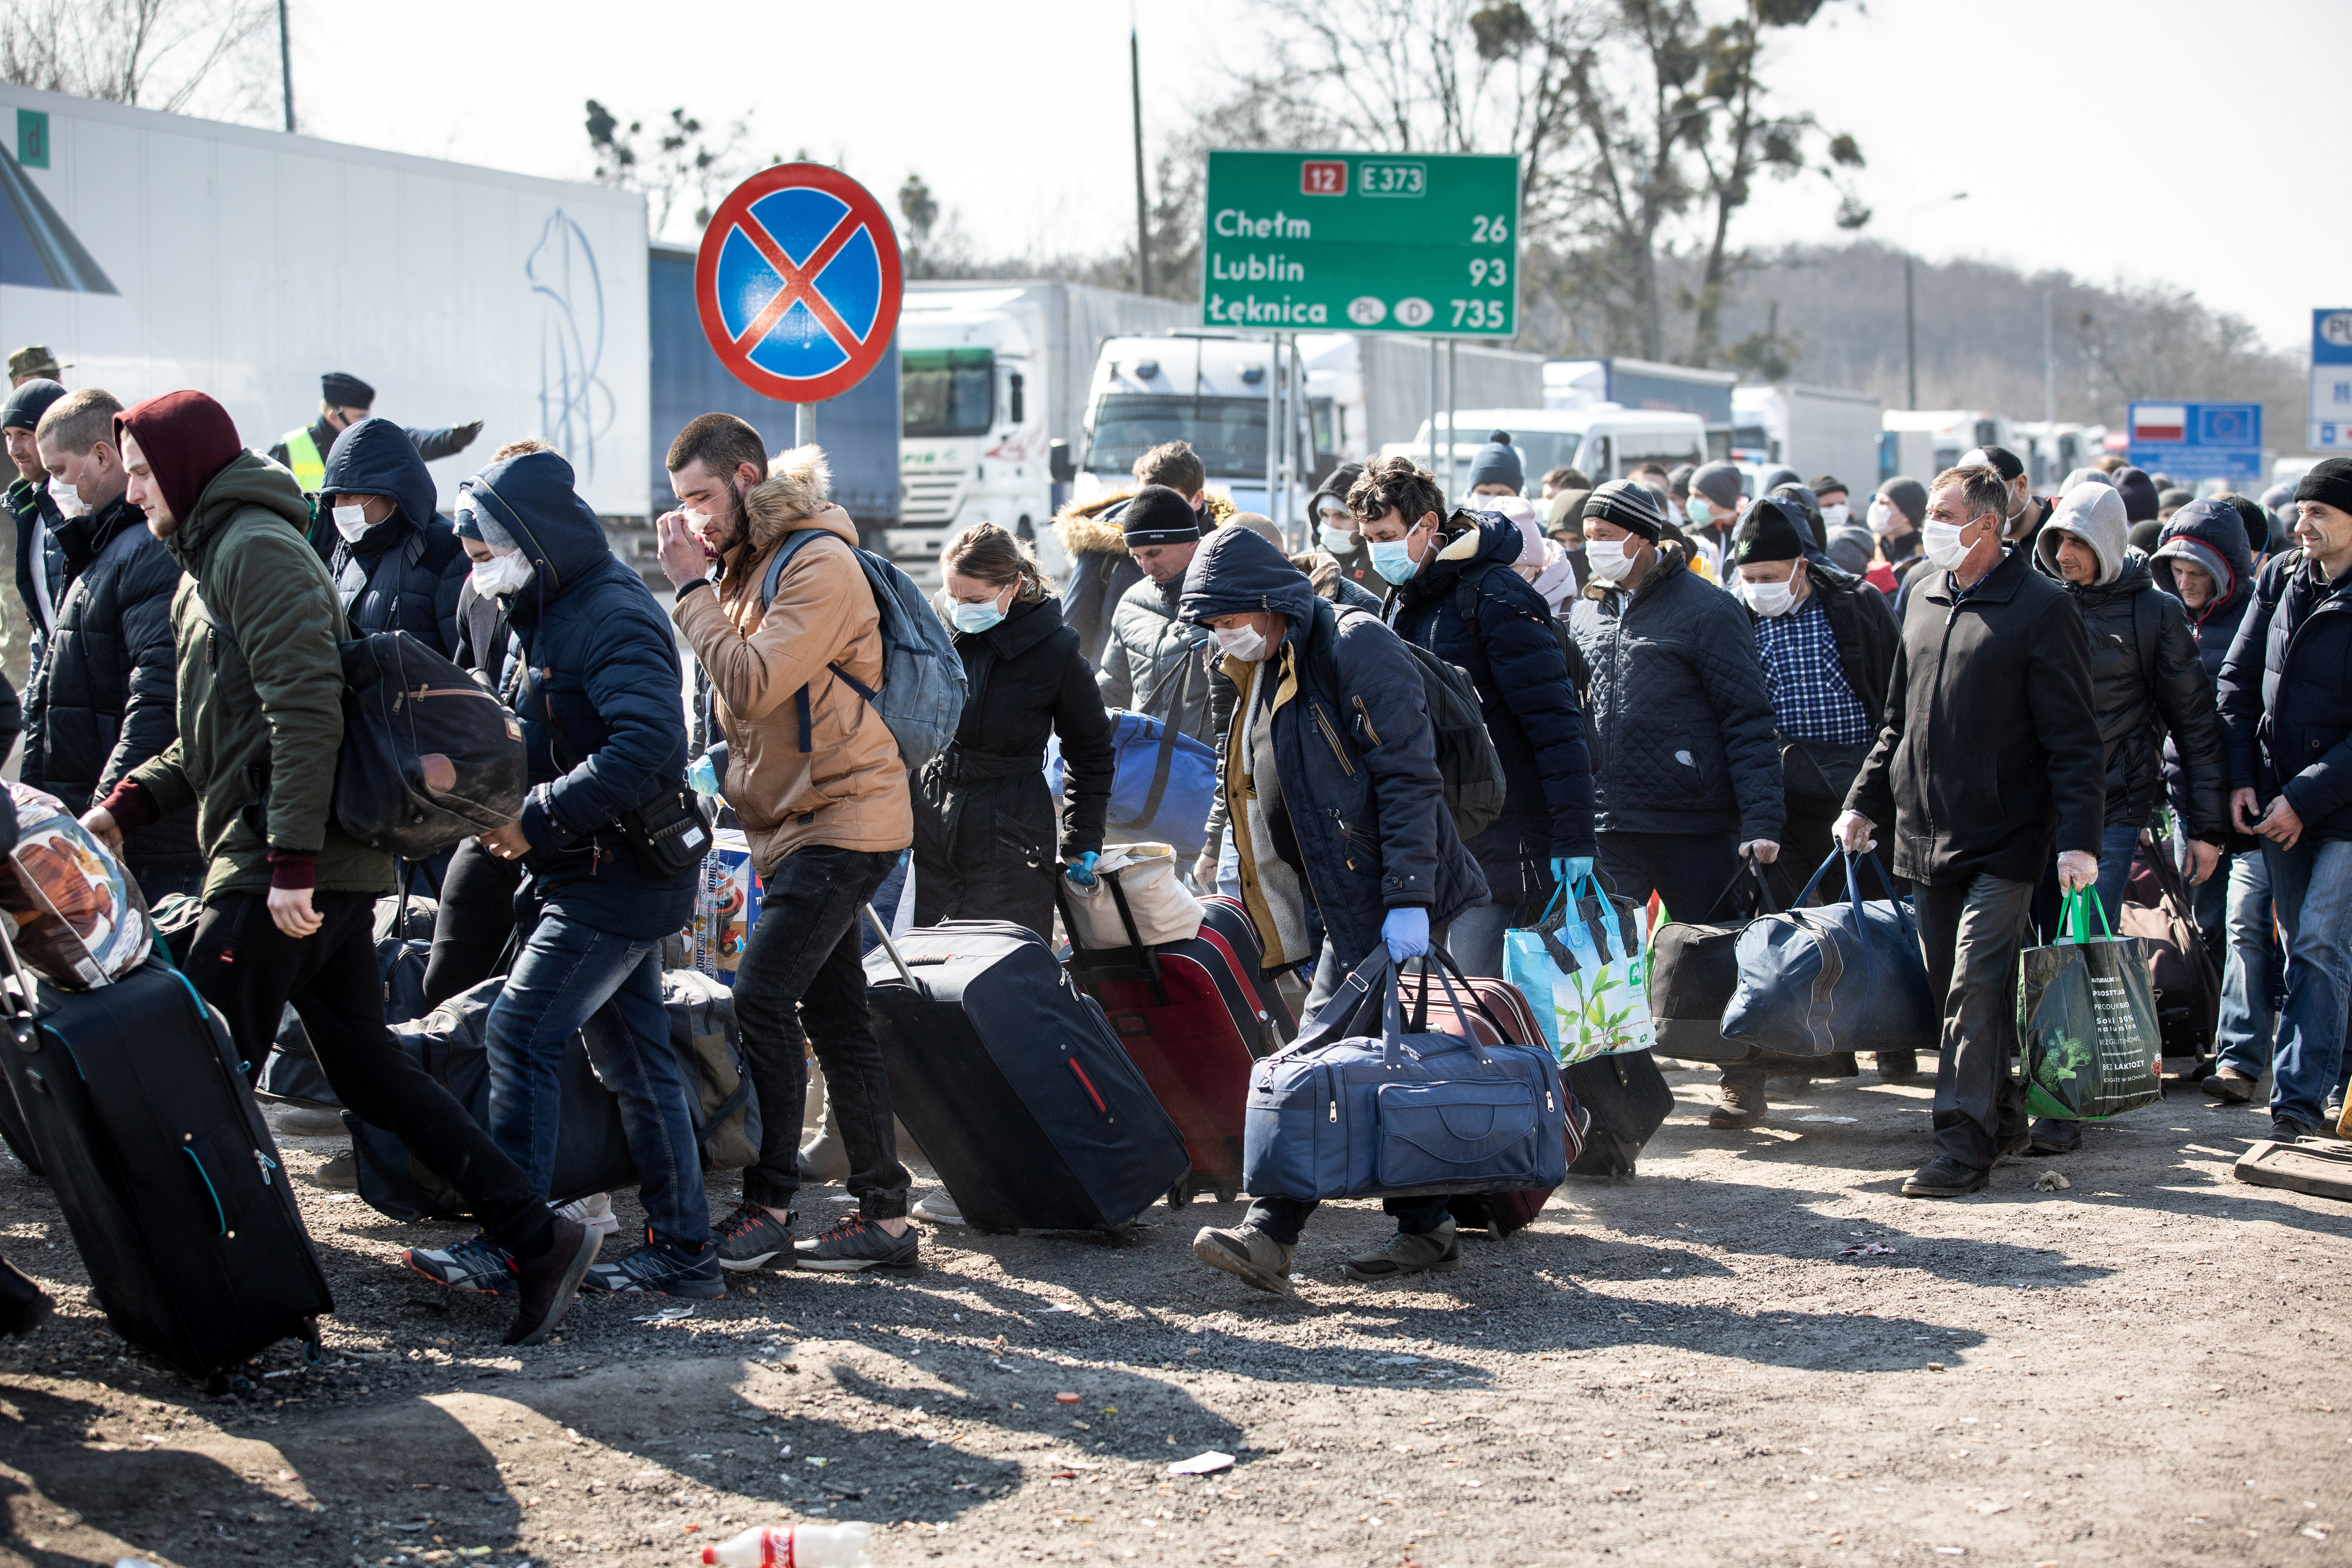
<point x="985" y="833"/>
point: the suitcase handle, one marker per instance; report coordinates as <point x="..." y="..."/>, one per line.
<point x="883" y="930"/>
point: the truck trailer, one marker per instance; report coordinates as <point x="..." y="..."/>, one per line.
<point x="1815" y="430"/>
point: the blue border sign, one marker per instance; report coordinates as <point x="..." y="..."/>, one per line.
<point x="2198" y="440"/>
<point x="2331" y="382"/>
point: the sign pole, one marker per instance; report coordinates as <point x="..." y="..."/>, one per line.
<point x="803" y="424"/>
<point x="1432" y="406"/>
<point x="1453" y="435"/>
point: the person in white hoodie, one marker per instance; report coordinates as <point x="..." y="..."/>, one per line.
<point x="1541" y="560"/>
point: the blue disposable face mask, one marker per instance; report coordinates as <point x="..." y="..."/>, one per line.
<point x="1392" y="559"/>
<point x="1338" y="541"/>
<point x="975" y="617"/>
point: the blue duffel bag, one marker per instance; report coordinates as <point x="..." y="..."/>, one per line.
<point x="1838" y="978"/>
<point x="1161" y="790"/>
<point x="1342" y="1115"/>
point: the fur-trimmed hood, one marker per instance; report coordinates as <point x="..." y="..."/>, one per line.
<point x="1090" y="527"/>
<point x="796" y="494"/>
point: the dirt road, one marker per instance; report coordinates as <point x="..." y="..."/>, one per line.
<point x="1754" y="1352"/>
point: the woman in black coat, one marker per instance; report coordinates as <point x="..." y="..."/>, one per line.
<point x="984" y="833"/>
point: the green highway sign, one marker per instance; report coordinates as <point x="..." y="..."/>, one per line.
<point x="1425" y="243"/>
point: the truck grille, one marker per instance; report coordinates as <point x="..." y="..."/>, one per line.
<point x="931" y="498"/>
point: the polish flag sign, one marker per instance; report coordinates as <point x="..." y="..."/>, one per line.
<point x="2159" y="422"/>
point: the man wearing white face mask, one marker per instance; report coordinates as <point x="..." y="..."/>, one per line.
<point x="2027" y="512"/>
<point x="1685" y="770"/>
<point x="397" y="563"/>
<point x="1988" y="756"/>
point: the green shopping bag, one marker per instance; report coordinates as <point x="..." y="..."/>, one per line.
<point x="2086" y="1015"/>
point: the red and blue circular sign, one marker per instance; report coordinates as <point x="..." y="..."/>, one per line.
<point x="798" y="283"/>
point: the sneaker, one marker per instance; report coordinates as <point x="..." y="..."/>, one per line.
<point x="856" y="1242"/>
<point x="2333" y="1119"/>
<point x="548" y="1283"/>
<point x="1248" y="1254"/>
<point x="750" y="1235"/>
<point x="594" y="1211"/>
<point x="340" y="1174"/>
<point x="477" y="1265"/>
<point x="1898" y="1067"/>
<point x="2052" y="1135"/>
<point x="2230" y="1087"/>
<point x="1437" y="1251"/>
<point x="940" y="1208"/>
<point x="1945" y="1178"/>
<point x="657" y="1268"/>
<point x="1743" y="1102"/>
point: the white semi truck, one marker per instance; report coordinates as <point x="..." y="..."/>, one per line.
<point x="1815" y="430"/>
<point x="992" y="381"/>
<point x="1921" y="442"/>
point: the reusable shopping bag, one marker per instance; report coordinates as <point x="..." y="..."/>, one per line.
<point x="2086" y="1015"/>
<point x="1583" y="968"/>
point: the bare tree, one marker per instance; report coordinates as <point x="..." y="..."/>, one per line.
<point x="677" y="161"/>
<point x="156" y="54"/>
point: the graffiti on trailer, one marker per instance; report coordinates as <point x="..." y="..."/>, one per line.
<point x="575" y="407"/>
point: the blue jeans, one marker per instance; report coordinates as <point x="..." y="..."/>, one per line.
<point x="2312" y="884"/>
<point x="567" y="975"/>
<point x="2242" y="1037"/>
<point x="2118" y="844"/>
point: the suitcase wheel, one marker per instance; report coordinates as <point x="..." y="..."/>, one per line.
<point x="313" y="1351"/>
<point x="1180" y="1194"/>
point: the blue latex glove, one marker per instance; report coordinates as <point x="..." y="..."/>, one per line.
<point x="1081" y="871"/>
<point x="1406" y="931"/>
<point x="1567" y="871"/>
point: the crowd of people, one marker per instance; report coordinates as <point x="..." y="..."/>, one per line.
<point x="1682" y="676"/>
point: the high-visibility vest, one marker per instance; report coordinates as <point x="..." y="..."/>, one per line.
<point x="302" y="457"/>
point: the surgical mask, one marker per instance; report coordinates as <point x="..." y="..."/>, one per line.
<point x="1608" y="558"/>
<point x="1880" y="518"/>
<point x="501" y="573"/>
<point x="971" y="618"/>
<point x="1336" y="540"/>
<point x="1392" y="559"/>
<point x="69" y="499"/>
<point x="1941" y="542"/>
<point x="1244" y="643"/>
<point x="351" y="522"/>
<point x="1835" y="514"/>
<point x="1768" y="599"/>
<point x="1697" y="509"/>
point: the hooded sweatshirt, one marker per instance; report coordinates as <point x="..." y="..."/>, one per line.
<point x="2094" y="514"/>
<point x="847" y="787"/>
<point x="260" y="682"/>
<point x="2211" y="534"/>
<point x="405" y="573"/>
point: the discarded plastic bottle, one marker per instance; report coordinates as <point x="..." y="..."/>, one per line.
<point x="795" y="1546"/>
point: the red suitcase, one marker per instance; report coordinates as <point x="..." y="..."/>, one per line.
<point x="1193" y="1015"/>
<point x="1499" y="1014"/>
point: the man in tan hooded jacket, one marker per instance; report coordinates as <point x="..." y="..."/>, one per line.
<point x="814" y="777"/>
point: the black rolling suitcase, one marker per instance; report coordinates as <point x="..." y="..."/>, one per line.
<point x="137" y="1105"/>
<point x="1628" y="1098"/>
<point x="1012" y="1080"/>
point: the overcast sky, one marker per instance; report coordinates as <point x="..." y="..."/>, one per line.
<point x="2172" y="140"/>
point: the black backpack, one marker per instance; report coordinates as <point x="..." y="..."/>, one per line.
<point x="428" y="757"/>
<point x="1466" y="759"/>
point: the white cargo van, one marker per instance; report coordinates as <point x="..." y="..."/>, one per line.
<point x="1603" y="441"/>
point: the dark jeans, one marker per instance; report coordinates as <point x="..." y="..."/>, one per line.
<point x="803" y="964"/>
<point x="159" y="879"/>
<point x="244" y="965"/>
<point x="567" y="976"/>
<point x="1690" y="872"/>
<point x="1972" y="932"/>
<point x="472" y="923"/>
<point x="1283" y="1218"/>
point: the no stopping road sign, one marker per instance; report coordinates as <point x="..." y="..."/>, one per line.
<point x="797" y="282"/>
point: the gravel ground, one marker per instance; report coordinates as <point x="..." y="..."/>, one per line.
<point x="1757" y="1351"/>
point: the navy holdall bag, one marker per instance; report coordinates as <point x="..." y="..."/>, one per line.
<point x="1343" y="1115"/>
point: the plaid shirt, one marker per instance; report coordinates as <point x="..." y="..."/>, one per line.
<point x="1811" y="699"/>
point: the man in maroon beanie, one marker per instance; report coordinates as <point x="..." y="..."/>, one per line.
<point x="289" y="897"/>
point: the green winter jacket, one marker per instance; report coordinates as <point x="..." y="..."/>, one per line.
<point x="261" y="687"/>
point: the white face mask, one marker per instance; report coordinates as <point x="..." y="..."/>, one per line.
<point x="1337" y="539"/>
<point x="351" y="522"/>
<point x="69" y="499"/>
<point x="1607" y="559"/>
<point x="1244" y="643"/>
<point x="1880" y="518"/>
<point x="1769" y="599"/>
<point x="1834" y="515"/>
<point x="1941" y="542"/>
<point x="501" y="573"/>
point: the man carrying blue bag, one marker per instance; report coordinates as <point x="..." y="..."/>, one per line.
<point x="1339" y="816"/>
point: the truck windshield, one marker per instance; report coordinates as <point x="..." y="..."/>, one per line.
<point x="947" y="392"/>
<point x="1229" y="433"/>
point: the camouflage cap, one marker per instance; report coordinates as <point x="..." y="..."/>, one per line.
<point x="33" y="359"/>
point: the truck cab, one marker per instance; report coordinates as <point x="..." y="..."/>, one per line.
<point x="973" y="443"/>
<point x="1215" y="392"/>
<point x="1603" y="441"/>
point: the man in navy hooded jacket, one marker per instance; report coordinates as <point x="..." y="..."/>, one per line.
<point x="396" y="565"/>
<point x="605" y="735"/>
<point x="1337" y="814"/>
<point x="1510" y="646"/>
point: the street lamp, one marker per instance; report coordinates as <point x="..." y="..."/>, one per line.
<point x="1910" y="322"/>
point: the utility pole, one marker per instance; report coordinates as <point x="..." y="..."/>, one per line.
<point x="285" y="68"/>
<point x="1910" y="336"/>
<point x="2049" y="366"/>
<point x="1142" y="204"/>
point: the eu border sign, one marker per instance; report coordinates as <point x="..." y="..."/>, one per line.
<point x="1425" y="243"/>
<point x="2199" y="440"/>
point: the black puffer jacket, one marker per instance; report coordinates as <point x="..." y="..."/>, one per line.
<point x="1681" y="719"/>
<point x="2209" y="533"/>
<point x="2146" y="680"/>
<point x="405" y="573"/>
<point x="1514" y="658"/>
<point x="104" y="701"/>
<point x="2286" y="695"/>
<point x="984" y="826"/>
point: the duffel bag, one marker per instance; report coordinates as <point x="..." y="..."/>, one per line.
<point x="1817" y="980"/>
<point x="1694" y="969"/>
<point x="1339" y="1114"/>
<point x="428" y="757"/>
<point x="1161" y="785"/>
